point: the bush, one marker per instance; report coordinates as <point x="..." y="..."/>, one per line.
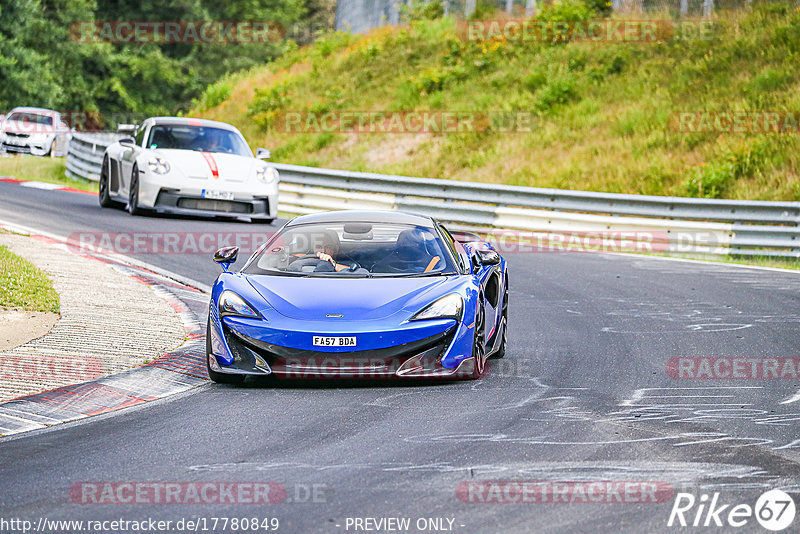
<point x="213" y="96"/>
<point x="329" y="43"/>
<point x="265" y="103"/>
<point x="422" y="10"/>
<point x="560" y="90"/>
<point x="566" y="10"/>
<point x="712" y="180"/>
<point x="536" y="79"/>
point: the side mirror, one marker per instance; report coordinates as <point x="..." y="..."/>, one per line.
<point x="263" y="153"/>
<point x="481" y="258"/>
<point x="126" y="128"/>
<point x="489" y="257"/>
<point x="225" y="256"/>
<point x="127" y="141"/>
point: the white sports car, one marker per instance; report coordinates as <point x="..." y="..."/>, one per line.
<point x="190" y="167"/>
<point x="36" y="131"/>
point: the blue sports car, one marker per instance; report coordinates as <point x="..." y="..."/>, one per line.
<point x="359" y="294"/>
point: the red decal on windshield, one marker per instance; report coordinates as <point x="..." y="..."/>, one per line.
<point x="212" y="164"/>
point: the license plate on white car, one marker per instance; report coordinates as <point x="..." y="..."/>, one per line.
<point x="320" y="341"/>
<point x="217" y="195"/>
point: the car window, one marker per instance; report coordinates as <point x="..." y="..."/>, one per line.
<point x="31" y="118"/>
<point x="358" y="248"/>
<point x="455" y="247"/>
<point x="200" y="138"/>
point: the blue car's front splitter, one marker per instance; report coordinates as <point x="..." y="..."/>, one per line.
<point x="416" y="351"/>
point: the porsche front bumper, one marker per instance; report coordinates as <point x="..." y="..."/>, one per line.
<point x="186" y="204"/>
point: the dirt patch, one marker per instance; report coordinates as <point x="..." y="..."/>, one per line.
<point x="395" y="149"/>
<point x="20" y="326"/>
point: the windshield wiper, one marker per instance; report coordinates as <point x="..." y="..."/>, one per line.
<point x="421" y="275"/>
<point x="339" y="274"/>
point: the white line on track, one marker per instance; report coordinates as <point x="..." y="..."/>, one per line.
<point x="18" y="228"/>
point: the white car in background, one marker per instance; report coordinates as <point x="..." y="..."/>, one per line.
<point x="190" y="167"/>
<point x="36" y="131"/>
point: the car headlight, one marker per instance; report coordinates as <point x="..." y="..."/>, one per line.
<point x="267" y="174"/>
<point x="448" y="307"/>
<point x="232" y="304"/>
<point x="158" y="165"/>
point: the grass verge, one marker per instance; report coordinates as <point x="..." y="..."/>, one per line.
<point x="24" y="286"/>
<point x="40" y="169"/>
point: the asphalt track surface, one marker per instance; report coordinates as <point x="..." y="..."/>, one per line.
<point x="582" y="395"/>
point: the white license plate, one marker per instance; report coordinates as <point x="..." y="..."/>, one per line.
<point x="320" y="341"/>
<point x="217" y="195"/>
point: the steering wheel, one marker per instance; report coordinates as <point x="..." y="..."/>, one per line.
<point x="298" y="264"/>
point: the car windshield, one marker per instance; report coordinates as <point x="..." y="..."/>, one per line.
<point x="31" y="118"/>
<point x="354" y="249"/>
<point x="200" y="138"/>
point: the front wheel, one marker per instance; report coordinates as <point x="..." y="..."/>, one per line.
<point x="479" y="344"/>
<point x="133" y="194"/>
<point x="501" y="350"/>
<point x="219" y="378"/>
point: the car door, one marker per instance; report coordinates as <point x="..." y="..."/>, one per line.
<point x="128" y="158"/>
<point x="465" y="260"/>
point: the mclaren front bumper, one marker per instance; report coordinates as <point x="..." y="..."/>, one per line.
<point x="417" y="359"/>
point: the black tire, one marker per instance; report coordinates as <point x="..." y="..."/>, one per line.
<point x="479" y="344"/>
<point x="133" y="193"/>
<point x="104" y="193"/>
<point x="219" y="378"/>
<point x="501" y="351"/>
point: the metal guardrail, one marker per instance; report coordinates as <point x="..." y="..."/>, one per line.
<point x="552" y="216"/>
<point x="85" y="154"/>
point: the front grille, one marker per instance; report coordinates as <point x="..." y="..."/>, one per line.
<point x="16" y="148"/>
<point x="18" y="135"/>
<point x="208" y="204"/>
<point x="377" y="362"/>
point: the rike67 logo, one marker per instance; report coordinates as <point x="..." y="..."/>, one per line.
<point x="774" y="510"/>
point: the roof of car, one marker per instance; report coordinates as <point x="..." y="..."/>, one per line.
<point x="33" y="110"/>
<point x="193" y="122"/>
<point x="396" y="217"/>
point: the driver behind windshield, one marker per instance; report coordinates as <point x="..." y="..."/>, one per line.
<point x="325" y="246"/>
<point x="212" y="142"/>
